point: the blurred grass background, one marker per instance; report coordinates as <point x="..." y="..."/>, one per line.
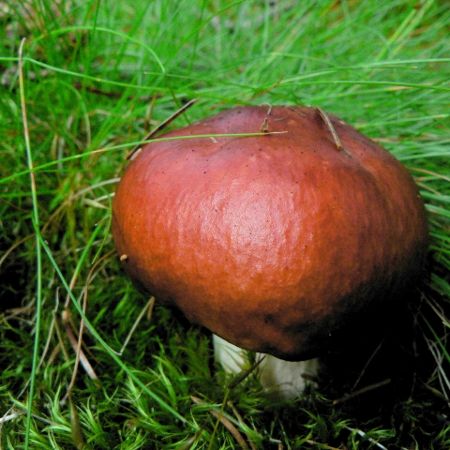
<point x="89" y="81"/>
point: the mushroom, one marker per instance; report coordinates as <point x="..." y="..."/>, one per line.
<point x="280" y="241"/>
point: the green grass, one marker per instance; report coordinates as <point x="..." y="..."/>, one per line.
<point x="92" y="79"/>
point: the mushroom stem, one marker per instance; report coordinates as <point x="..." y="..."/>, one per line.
<point x="283" y="379"/>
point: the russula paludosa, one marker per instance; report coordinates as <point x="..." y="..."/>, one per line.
<point x="277" y="242"/>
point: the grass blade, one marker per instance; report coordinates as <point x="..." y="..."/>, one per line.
<point x="36" y="227"/>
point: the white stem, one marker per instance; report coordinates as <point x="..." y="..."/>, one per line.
<point x="283" y="379"/>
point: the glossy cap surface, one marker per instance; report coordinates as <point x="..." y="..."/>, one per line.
<point x="272" y="242"/>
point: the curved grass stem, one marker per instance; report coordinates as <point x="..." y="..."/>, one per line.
<point x="35" y="221"/>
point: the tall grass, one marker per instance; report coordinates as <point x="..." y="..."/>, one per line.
<point x="87" y="84"/>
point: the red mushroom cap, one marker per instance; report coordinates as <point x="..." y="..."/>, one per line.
<point x="273" y="242"/>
